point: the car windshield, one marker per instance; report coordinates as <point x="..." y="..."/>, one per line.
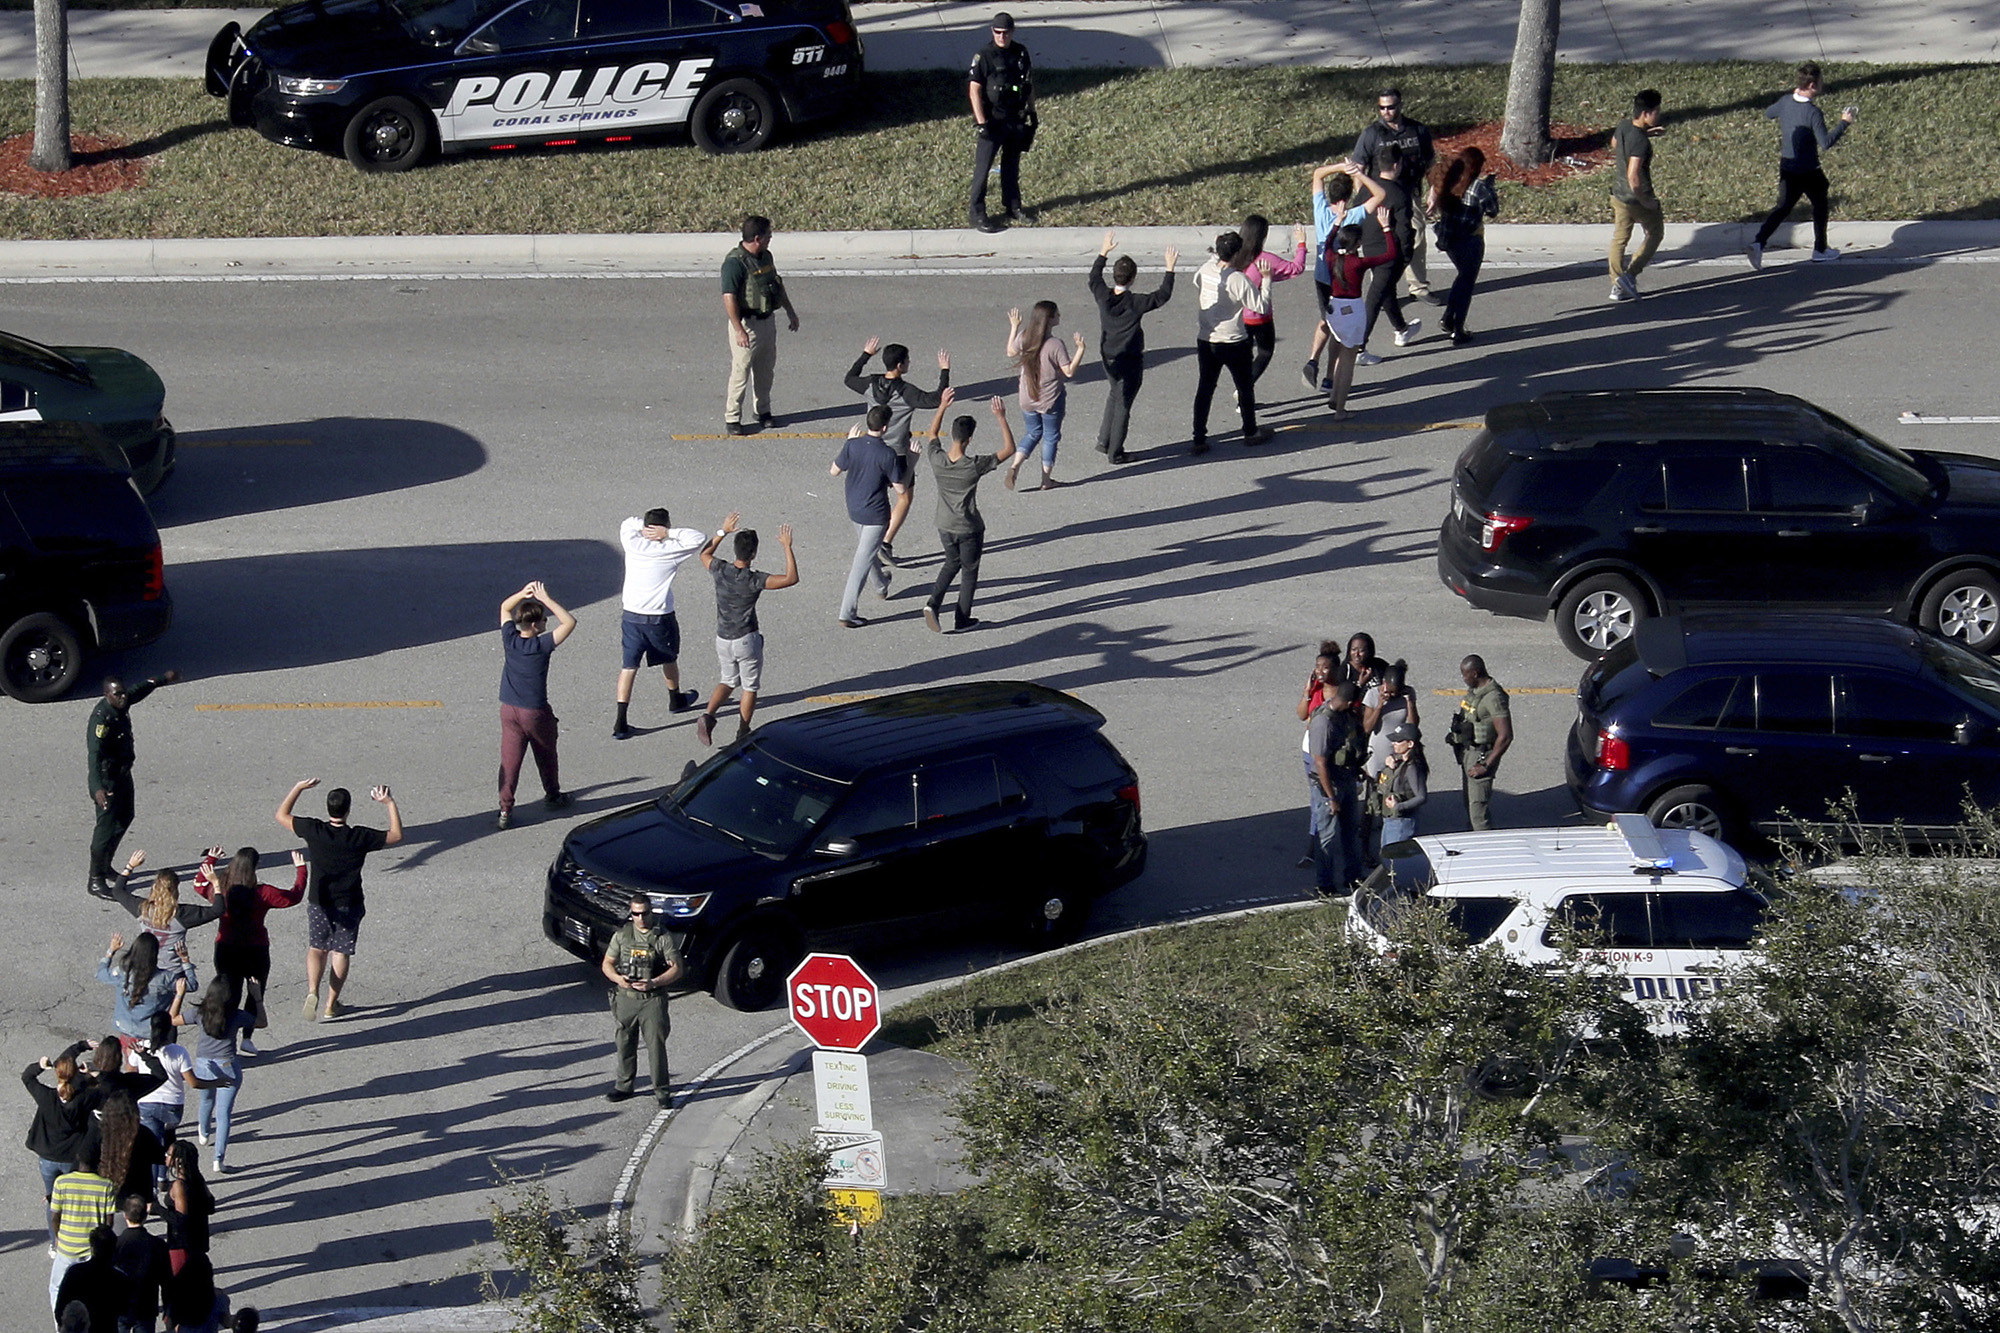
<point x="1970" y="672"/>
<point x="15" y="350"/>
<point x="445" y="21"/>
<point x="1884" y="463"/>
<point x="769" y="807"/>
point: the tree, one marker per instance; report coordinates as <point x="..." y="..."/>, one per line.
<point x="1524" y="134"/>
<point x="51" y="86"/>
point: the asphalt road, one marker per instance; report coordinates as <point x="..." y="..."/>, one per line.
<point x="368" y="468"/>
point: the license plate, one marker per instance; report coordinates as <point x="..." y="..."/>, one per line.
<point x="576" y="930"/>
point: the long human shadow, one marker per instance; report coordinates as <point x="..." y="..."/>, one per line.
<point x="287" y="464"/>
<point x="271" y="612"/>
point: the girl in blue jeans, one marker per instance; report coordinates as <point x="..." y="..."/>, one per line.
<point x="216" y="1066"/>
<point x="1043" y="397"/>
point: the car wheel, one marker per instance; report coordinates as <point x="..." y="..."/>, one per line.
<point x="388" y="134"/>
<point x="737" y="116"/>
<point x="40" y="658"/>
<point x="1598" y="614"/>
<point x="753" y="971"/>
<point x="1965" y="606"/>
<point x="1693" y="807"/>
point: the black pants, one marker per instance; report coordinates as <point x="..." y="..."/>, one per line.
<point x="961" y="561"/>
<point x="1004" y="141"/>
<point x="1467" y="254"/>
<point x="1792" y="184"/>
<point x="112" y="821"/>
<point x="1382" y="294"/>
<point x="1123" y="375"/>
<point x="1263" y="343"/>
<point x="1210" y="361"/>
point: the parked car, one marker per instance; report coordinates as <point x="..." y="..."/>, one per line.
<point x="100" y="386"/>
<point x="1610" y="507"/>
<point x="1735" y="725"/>
<point x="386" y="82"/>
<point x="1669" y="913"/>
<point x="997" y="801"/>
<point x="80" y="562"/>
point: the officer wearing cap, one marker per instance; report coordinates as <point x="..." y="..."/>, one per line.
<point x="1002" y="88"/>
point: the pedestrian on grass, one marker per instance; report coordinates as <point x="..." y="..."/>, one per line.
<point x="1033" y="346"/>
<point x="526" y="719"/>
<point x="1414" y="155"/>
<point x="1224" y="294"/>
<point x="752" y="296"/>
<point x="1481" y="732"/>
<point x="872" y="473"/>
<point x="1325" y="664"/>
<point x="1121" y="341"/>
<point x="335" y="903"/>
<point x="1346" y="310"/>
<point x="1266" y="269"/>
<point x="1802" y="137"/>
<point x="903" y="399"/>
<point x="1334" y="206"/>
<point x="108" y="753"/>
<point x="1633" y="202"/>
<point x="961" y="527"/>
<point x="1389" y="234"/>
<point x="649" y="632"/>
<point x="739" y="642"/>
<point x="1462" y="198"/>
<point x="242" y="942"/>
<point x="1001" y="86"/>
<point x="640" y="964"/>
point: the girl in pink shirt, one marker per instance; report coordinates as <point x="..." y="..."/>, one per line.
<point x="1263" y="332"/>
<point x="1039" y="353"/>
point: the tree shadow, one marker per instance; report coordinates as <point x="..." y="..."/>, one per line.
<point x="284" y="465"/>
<point x="156" y="144"/>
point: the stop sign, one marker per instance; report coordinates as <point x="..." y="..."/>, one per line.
<point x="834" y="1002"/>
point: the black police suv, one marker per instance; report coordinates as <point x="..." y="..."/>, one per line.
<point x="1732" y="725"/>
<point x="80" y="564"/>
<point x="995" y="802"/>
<point x="387" y="81"/>
<point x="1609" y="507"/>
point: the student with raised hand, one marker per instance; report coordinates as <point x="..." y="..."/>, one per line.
<point x="1334" y="207"/>
<point x="1121" y="340"/>
<point x="1034" y="346"/>
<point x="892" y="389"/>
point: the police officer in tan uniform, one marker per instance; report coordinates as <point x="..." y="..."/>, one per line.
<point x="1481" y="731"/>
<point x="640" y="964"/>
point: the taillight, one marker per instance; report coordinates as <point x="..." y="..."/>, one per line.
<point x="1613" y="754"/>
<point x="1497" y="528"/>
<point x="1129" y="793"/>
<point x="156" y="574"/>
<point x="840" y="34"/>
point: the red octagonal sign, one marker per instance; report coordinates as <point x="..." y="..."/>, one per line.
<point x="834" y="1002"/>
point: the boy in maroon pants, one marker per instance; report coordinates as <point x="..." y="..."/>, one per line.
<point x="526" y="720"/>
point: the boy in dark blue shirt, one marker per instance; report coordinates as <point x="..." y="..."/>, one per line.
<point x="873" y="472"/>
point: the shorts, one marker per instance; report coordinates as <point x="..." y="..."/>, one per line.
<point x="1325" y="290"/>
<point x="332" y="934"/>
<point x="650" y="640"/>
<point x="741" y="661"/>
<point x="1347" y="317"/>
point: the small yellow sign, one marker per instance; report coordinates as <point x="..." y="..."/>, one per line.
<point x="856" y="1207"/>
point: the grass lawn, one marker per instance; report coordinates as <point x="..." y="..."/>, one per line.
<point x="1117" y="148"/>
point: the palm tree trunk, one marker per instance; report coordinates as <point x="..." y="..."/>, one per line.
<point x="1524" y="135"/>
<point x="51" y="86"/>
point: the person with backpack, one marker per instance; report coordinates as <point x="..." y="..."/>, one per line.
<point x="752" y="295"/>
<point x="1462" y="199"/>
<point x="891" y="390"/>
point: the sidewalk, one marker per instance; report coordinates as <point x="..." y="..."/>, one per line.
<point x="172" y="43"/>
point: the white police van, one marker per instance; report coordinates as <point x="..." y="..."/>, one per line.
<point x="387" y="81"/>
<point x="1671" y="914"/>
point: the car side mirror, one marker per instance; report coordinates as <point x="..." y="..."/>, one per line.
<point x="1969" y="732"/>
<point x="838" y="847"/>
<point x="1868" y="511"/>
<point x="479" y="46"/>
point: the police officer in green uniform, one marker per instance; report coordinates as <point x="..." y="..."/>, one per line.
<point x="1481" y="731"/>
<point x="640" y="964"/>
<point x="1001" y="84"/>
<point x="108" y="753"/>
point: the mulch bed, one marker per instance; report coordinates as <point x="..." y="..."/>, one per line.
<point x="1578" y="149"/>
<point x="97" y="166"/>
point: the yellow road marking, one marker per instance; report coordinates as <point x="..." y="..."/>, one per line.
<point x="185" y="443"/>
<point x="837" y="698"/>
<point x="272" y="708"/>
<point x="1519" y="689"/>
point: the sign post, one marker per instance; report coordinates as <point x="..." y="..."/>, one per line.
<point x="839" y="1008"/>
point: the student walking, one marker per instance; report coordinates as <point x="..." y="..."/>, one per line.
<point x="1121" y="340"/>
<point x="1462" y="199"/>
<point x="961" y="527"/>
<point x="903" y="399"/>
<point x="1802" y="137"/>
<point x="1265" y="269"/>
<point x="1391" y="237"/>
<point x="1633" y="203"/>
<point x="739" y="643"/>
<point x="1224" y="295"/>
<point x="649" y="632"/>
<point x="871" y="474"/>
<point x="167" y="919"/>
<point x="1035" y="348"/>
<point x="242" y="943"/>
<point x="335" y="903"/>
<point x="1346" y="312"/>
<point x="526" y="719"/>
<point x="1333" y="205"/>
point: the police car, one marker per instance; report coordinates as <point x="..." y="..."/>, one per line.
<point x="1669" y="913"/>
<point x="387" y="81"/>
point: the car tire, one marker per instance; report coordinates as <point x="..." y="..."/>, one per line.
<point x="753" y="970"/>
<point x="40" y="658"/>
<point x="735" y="116"/>
<point x="1694" y="807"/>
<point x="1600" y="613"/>
<point x="1964" y="606"/>
<point x="388" y="134"/>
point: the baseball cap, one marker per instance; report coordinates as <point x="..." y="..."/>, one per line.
<point x="1003" y="22"/>
<point x="1404" y="731"/>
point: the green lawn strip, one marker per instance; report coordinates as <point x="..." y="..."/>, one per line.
<point x="1117" y="148"/>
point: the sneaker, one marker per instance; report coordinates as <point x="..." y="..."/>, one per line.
<point x="1259" y="435"/>
<point x="1460" y="337"/>
<point x="1756" y="252"/>
<point x="247" y="1047"/>
<point x="621" y="732"/>
<point x="665" y="1099"/>
<point x="1428" y="297"/>
<point x="1409" y="333"/>
<point x="1119" y="457"/>
<point x="736" y="428"/>
<point x="1364" y="359"/>
<point x="334" y="1008"/>
<point x="1630" y="284"/>
<point x="558" y="800"/>
<point x="1198" y="447"/>
<point x="618" y="1095"/>
<point x="960" y="626"/>
<point x="852" y="622"/>
<point x="704" y="728"/>
<point x="990" y="225"/>
<point x="1619" y="292"/>
<point x="679" y="701"/>
<point x="1326" y="385"/>
<point x="1310" y="375"/>
<point x="201" y="1136"/>
<point x="311" y="1007"/>
<point x="742" y="726"/>
<point x="1821" y="256"/>
<point x="505" y="821"/>
<point x="217" y="1167"/>
<point x="931" y="619"/>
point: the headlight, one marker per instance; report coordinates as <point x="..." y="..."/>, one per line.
<point x="679" y="906"/>
<point x="292" y="87"/>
